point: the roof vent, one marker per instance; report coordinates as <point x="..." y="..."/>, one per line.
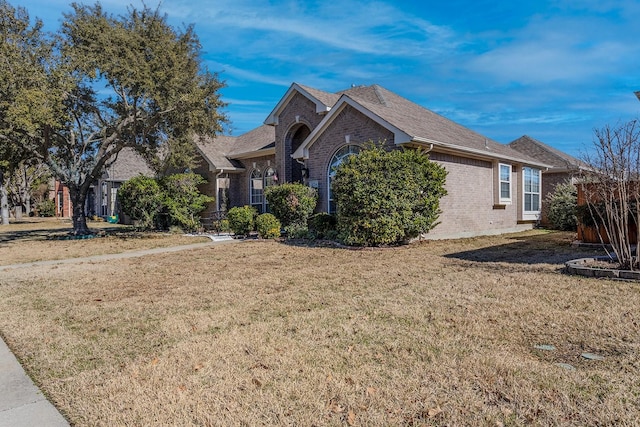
<point x="486" y="144"/>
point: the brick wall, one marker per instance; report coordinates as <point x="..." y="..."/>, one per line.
<point x="348" y="122"/>
<point x="468" y="209"/>
<point x="299" y="106"/>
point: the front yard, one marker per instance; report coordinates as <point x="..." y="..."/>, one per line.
<point x="261" y="332"/>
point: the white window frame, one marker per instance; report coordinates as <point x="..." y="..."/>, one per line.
<point x="528" y="189"/>
<point x="505" y="200"/>
<point x="256" y="189"/>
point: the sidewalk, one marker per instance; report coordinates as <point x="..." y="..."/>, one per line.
<point x="22" y="404"/>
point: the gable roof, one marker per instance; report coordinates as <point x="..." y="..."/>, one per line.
<point x="549" y="155"/>
<point x="223" y="151"/>
<point x="322" y="100"/>
<point x="412" y="123"/>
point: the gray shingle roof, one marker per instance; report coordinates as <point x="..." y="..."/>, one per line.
<point x="549" y="155"/>
<point x="127" y="165"/>
<point x="221" y="150"/>
<point x="421" y="123"/>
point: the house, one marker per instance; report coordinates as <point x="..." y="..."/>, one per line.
<point x="102" y="200"/>
<point x="563" y="167"/>
<point x="492" y="187"/>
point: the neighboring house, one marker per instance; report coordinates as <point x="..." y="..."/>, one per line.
<point x="492" y="188"/>
<point x="562" y="167"/>
<point x="102" y="199"/>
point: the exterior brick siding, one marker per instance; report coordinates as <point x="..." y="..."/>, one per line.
<point x="350" y="122"/>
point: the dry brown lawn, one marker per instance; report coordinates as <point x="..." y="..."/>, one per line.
<point x="266" y="333"/>
<point x="43" y="239"/>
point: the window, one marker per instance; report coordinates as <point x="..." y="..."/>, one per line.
<point x="270" y="178"/>
<point x="531" y="189"/>
<point x="505" y="183"/>
<point x="103" y="199"/>
<point x="336" y="160"/>
<point x="257" y="191"/>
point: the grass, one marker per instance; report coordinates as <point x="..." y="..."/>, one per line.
<point x="43" y="239"/>
<point x="265" y="333"/>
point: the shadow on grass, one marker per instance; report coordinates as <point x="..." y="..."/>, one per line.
<point x="548" y="248"/>
<point x="48" y="233"/>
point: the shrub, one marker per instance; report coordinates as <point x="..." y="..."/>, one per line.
<point x="183" y="200"/>
<point x="46" y="208"/>
<point x="561" y="207"/>
<point x="297" y="231"/>
<point x="241" y="220"/>
<point x="292" y="203"/>
<point x="323" y="226"/>
<point x="268" y="226"/>
<point x="141" y="199"/>
<point x="387" y="197"/>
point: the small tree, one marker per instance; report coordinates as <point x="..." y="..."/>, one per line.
<point x="612" y="189"/>
<point x="387" y="197"/>
<point x="292" y="203"/>
<point x="561" y="206"/>
<point x="183" y="200"/>
<point x="141" y="199"/>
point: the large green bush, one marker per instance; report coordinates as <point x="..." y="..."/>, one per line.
<point x="561" y="207"/>
<point x="241" y="220"/>
<point x="141" y="199"/>
<point x="46" y="208"/>
<point x="174" y="201"/>
<point x="268" y="226"/>
<point x="183" y="200"/>
<point x="292" y="203"/>
<point x="387" y="197"/>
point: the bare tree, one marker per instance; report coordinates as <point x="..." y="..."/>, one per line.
<point x="612" y="191"/>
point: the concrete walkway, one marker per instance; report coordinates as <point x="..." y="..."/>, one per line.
<point x="22" y="404"/>
<point x="122" y="255"/>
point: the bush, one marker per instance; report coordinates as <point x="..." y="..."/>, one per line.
<point x="561" y="207"/>
<point x="46" y="208"/>
<point x="268" y="226"/>
<point x="323" y="226"/>
<point x="387" y="197"/>
<point x="141" y="199"/>
<point x="297" y="231"/>
<point x="292" y="203"/>
<point x="183" y="200"/>
<point x="241" y="220"/>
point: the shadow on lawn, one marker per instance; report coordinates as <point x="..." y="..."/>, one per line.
<point x="536" y="249"/>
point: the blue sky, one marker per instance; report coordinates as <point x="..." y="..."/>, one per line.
<point x="550" y="69"/>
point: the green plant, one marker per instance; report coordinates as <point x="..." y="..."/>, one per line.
<point x="46" y="208"/>
<point x="268" y="226"/>
<point x="387" y="197"/>
<point x="561" y="207"/>
<point x="297" y="231"/>
<point x="241" y="219"/>
<point x="292" y="203"/>
<point x="323" y="225"/>
<point x="183" y="200"/>
<point x="141" y="199"/>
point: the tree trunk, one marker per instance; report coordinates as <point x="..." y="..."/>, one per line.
<point x="4" y="201"/>
<point x="78" y="199"/>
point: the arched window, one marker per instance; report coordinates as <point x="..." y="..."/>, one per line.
<point x="270" y="178"/>
<point x="336" y="160"/>
<point x="257" y="190"/>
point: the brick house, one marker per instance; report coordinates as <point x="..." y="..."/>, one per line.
<point x="102" y="199"/>
<point x="562" y="167"/>
<point x="492" y="187"/>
